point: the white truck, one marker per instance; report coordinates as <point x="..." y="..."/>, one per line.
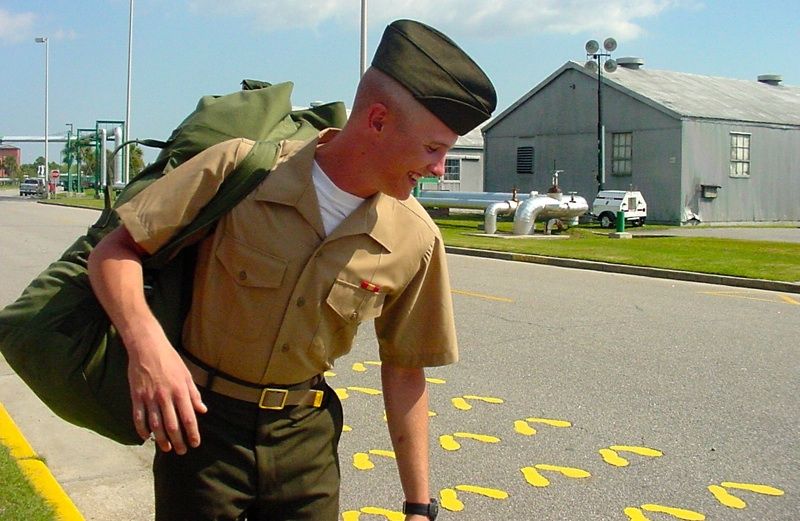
<point x="608" y="202"/>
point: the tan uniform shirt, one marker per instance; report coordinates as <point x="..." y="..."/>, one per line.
<point x="275" y="301"/>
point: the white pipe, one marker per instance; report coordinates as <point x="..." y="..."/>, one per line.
<point x="119" y="168"/>
<point x="495" y="209"/>
<point x="469" y="200"/>
<point x="527" y="212"/>
<point x="548" y="208"/>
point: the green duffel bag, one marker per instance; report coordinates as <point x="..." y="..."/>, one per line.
<point x="57" y="337"/>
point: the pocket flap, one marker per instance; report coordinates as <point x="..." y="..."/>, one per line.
<point x="249" y="266"/>
<point x="353" y="303"/>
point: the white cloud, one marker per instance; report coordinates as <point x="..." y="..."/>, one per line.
<point x="15" y="27"/>
<point x="487" y="18"/>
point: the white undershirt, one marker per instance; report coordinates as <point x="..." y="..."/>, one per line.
<point x="334" y="203"/>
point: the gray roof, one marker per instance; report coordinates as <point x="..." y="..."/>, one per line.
<point x="694" y="96"/>
<point x="472" y="139"/>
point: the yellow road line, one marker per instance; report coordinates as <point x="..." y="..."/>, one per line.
<point x="741" y="295"/>
<point x="481" y="296"/>
<point x="35" y="470"/>
<point x="790" y="300"/>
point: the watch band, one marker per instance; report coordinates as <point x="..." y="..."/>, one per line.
<point x="429" y="510"/>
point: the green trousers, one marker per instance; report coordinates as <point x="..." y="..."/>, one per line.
<point x="255" y="464"/>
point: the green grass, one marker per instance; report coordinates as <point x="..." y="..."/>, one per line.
<point x="85" y="200"/>
<point x="18" y="499"/>
<point x="752" y="259"/>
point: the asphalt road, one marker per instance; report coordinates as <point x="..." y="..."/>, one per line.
<point x="565" y="376"/>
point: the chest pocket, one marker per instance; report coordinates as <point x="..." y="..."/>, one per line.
<point x="246" y="290"/>
<point x="353" y="303"/>
<point x="248" y="266"/>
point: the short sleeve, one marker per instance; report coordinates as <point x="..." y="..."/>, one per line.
<point x="161" y="210"/>
<point x="416" y="327"/>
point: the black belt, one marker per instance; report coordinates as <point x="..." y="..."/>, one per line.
<point x="271" y="398"/>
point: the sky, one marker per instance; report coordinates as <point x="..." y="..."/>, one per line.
<point x="185" y="49"/>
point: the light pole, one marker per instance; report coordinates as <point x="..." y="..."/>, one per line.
<point x="46" y="110"/>
<point x="126" y="160"/>
<point x="363" y="36"/>
<point x="595" y="64"/>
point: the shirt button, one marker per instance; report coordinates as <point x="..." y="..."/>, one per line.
<point x="354" y="315"/>
<point x="242" y="275"/>
<point x="301" y="302"/>
<point x="285" y="348"/>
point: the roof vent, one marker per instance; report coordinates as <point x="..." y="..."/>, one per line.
<point x="631" y="63"/>
<point x="770" y="79"/>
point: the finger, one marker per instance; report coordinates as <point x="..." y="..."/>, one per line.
<point x="172" y="428"/>
<point x="140" y="421"/>
<point x="197" y="398"/>
<point x="188" y="419"/>
<point x="157" y="428"/>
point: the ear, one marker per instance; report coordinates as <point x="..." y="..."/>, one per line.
<point x="376" y="117"/>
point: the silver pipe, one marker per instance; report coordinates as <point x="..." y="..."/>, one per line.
<point x="119" y="172"/>
<point x="495" y="209"/>
<point x="527" y="212"/>
<point x="467" y="200"/>
<point x="555" y="206"/>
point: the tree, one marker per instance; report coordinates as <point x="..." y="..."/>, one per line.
<point x="10" y="166"/>
<point x="136" y="159"/>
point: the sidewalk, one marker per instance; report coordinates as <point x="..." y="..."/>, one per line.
<point x="104" y="480"/>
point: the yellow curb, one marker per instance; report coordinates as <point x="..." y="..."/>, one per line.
<point x="35" y="470"/>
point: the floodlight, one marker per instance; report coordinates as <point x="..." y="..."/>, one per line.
<point x="592" y="46"/>
<point x="610" y="44"/>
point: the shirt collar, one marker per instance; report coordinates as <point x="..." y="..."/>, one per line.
<point x="290" y="183"/>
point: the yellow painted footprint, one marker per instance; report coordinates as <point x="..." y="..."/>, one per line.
<point x="535" y="478"/>
<point x="636" y="514"/>
<point x="365" y="390"/>
<point x="523" y="426"/>
<point x="448" y="497"/>
<point x="679" y="513"/>
<point x="462" y="403"/>
<point x="720" y="492"/>
<point x="355" y="515"/>
<point x="612" y="457"/>
<point x="448" y="442"/>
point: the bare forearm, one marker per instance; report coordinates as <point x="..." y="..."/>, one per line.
<point x="406" y="399"/>
<point x="115" y="272"/>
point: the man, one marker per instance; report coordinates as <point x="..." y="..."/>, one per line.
<point x="243" y="420"/>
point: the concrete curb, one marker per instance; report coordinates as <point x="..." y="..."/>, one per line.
<point x="707" y="278"/>
<point x="35" y="470"/>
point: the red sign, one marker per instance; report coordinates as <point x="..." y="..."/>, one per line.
<point x="55" y="173"/>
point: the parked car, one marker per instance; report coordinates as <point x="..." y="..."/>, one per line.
<point x="32" y="187"/>
<point x="609" y="202"/>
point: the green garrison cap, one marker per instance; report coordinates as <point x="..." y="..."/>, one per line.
<point x="438" y="73"/>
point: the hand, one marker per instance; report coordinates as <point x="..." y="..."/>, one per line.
<point x="164" y="397"/>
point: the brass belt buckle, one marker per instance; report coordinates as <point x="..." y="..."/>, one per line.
<point x="264" y="394"/>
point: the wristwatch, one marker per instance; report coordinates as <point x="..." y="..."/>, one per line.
<point x="429" y="510"/>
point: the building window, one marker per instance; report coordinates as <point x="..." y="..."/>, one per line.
<point x="525" y="160"/>
<point x="740" y="155"/>
<point x="452" y="169"/>
<point x="621" y="153"/>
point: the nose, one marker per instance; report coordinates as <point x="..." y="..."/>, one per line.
<point x="437" y="168"/>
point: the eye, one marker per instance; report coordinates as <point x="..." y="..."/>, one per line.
<point x="431" y="148"/>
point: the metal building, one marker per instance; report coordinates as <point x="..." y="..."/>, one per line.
<point x="714" y="149"/>
<point x="463" y="166"/>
